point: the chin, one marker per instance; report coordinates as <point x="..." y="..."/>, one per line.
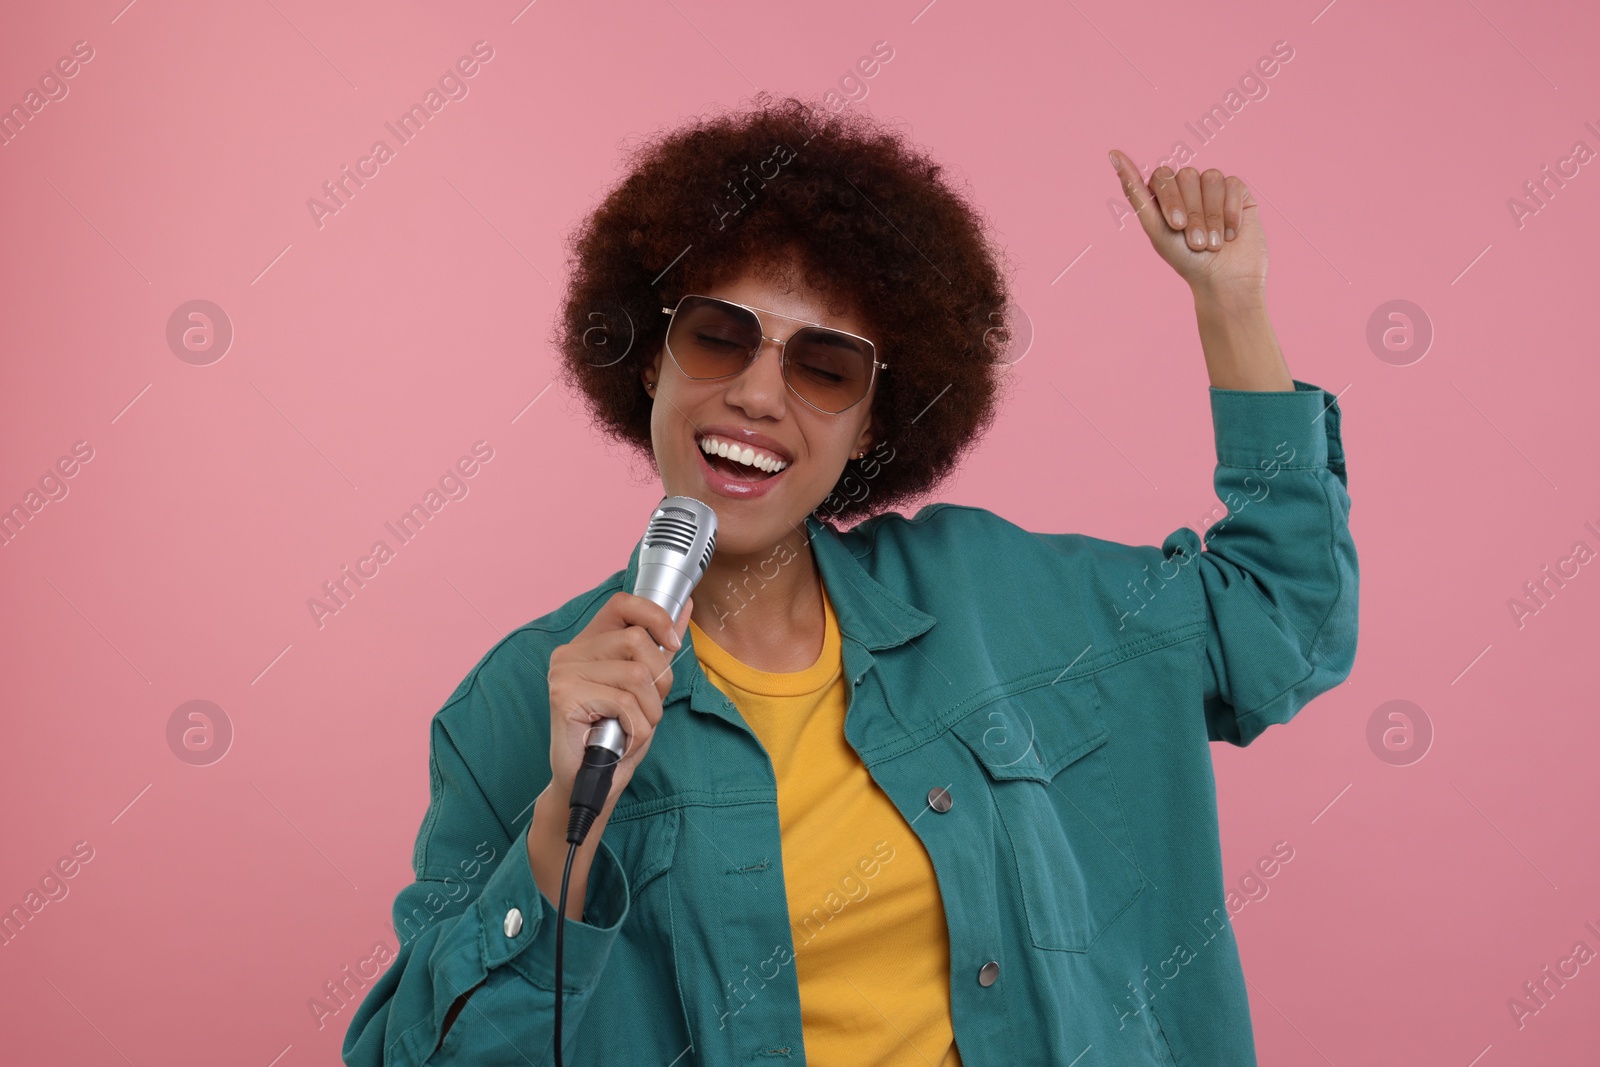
<point x="747" y="530"/>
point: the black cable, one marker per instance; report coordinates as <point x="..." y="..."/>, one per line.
<point x="561" y="927"/>
<point x="595" y="774"/>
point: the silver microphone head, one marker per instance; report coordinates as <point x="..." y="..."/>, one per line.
<point x="677" y="548"/>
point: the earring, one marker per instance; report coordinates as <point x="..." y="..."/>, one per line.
<point x="650" y="387"/>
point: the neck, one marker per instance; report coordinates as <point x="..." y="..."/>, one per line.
<point x="766" y="599"/>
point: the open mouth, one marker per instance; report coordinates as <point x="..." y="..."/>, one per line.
<point x="739" y="464"/>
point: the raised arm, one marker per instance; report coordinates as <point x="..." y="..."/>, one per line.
<point x="1279" y="575"/>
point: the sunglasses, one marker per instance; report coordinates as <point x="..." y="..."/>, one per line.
<point x="831" y="370"/>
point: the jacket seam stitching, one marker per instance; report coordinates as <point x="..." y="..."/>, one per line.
<point x="692" y="797"/>
<point x="1334" y="523"/>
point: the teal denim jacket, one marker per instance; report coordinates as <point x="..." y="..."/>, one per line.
<point x="1061" y="688"/>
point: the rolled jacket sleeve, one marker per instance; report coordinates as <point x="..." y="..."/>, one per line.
<point x="1278" y="576"/>
<point x="453" y="933"/>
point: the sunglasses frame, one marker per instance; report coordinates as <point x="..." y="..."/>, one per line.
<point x="782" y="343"/>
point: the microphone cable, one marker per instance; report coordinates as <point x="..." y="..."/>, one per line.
<point x="590" y="787"/>
<point x="561" y="925"/>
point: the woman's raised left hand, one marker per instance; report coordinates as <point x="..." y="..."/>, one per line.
<point x="1203" y="223"/>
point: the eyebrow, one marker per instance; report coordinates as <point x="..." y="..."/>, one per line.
<point x="841" y="340"/>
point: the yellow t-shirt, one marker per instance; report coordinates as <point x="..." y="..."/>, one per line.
<point x="871" y="948"/>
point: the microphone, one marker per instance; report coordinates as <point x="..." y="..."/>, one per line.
<point x="677" y="548"/>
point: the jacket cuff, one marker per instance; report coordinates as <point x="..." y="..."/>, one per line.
<point x="1292" y="429"/>
<point x="531" y="950"/>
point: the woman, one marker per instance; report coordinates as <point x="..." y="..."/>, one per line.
<point x="927" y="791"/>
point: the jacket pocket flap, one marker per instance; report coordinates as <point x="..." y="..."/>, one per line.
<point x="1034" y="733"/>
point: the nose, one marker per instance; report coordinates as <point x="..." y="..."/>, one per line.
<point x="759" y="390"/>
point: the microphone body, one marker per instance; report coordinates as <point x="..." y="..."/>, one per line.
<point x="677" y="548"/>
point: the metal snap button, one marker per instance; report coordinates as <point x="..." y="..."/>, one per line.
<point x="513" y="922"/>
<point x="939" y="799"/>
<point x="988" y="973"/>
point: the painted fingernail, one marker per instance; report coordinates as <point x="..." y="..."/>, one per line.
<point x="1199" y="237"/>
<point x="1177" y="218"/>
<point x="677" y="642"/>
<point x="1112" y="156"/>
<point x="1228" y="233"/>
<point x="1215" y="240"/>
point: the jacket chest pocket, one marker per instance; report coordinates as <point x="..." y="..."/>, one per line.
<point x="1044" y="759"/>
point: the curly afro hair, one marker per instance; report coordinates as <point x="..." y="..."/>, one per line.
<point x="870" y="225"/>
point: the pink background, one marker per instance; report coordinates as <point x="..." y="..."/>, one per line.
<point x="369" y="354"/>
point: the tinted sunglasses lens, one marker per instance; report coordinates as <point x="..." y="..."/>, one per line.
<point x="829" y="369"/>
<point x="712" y="339"/>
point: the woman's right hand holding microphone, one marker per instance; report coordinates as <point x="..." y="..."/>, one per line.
<point x="611" y="669"/>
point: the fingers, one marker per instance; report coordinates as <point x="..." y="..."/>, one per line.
<point x="1206" y="206"/>
<point x="682" y="625"/>
<point x="619" y="667"/>
<point x="626" y="609"/>
<point x="1134" y="188"/>
<point x="628" y="684"/>
<point x="632" y="645"/>
<point x="1164" y="184"/>
<point x="1232" y="208"/>
<point x="1182" y="203"/>
<point x="1213" y="194"/>
<point x="597" y="702"/>
<point x="636" y="642"/>
<point x="1193" y="207"/>
<point x="578" y="703"/>
<point x="663" y="677"/>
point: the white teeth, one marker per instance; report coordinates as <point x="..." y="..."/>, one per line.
<point x="745" y="455"/>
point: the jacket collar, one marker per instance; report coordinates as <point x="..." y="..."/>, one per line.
<point x="871" y="616"/>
